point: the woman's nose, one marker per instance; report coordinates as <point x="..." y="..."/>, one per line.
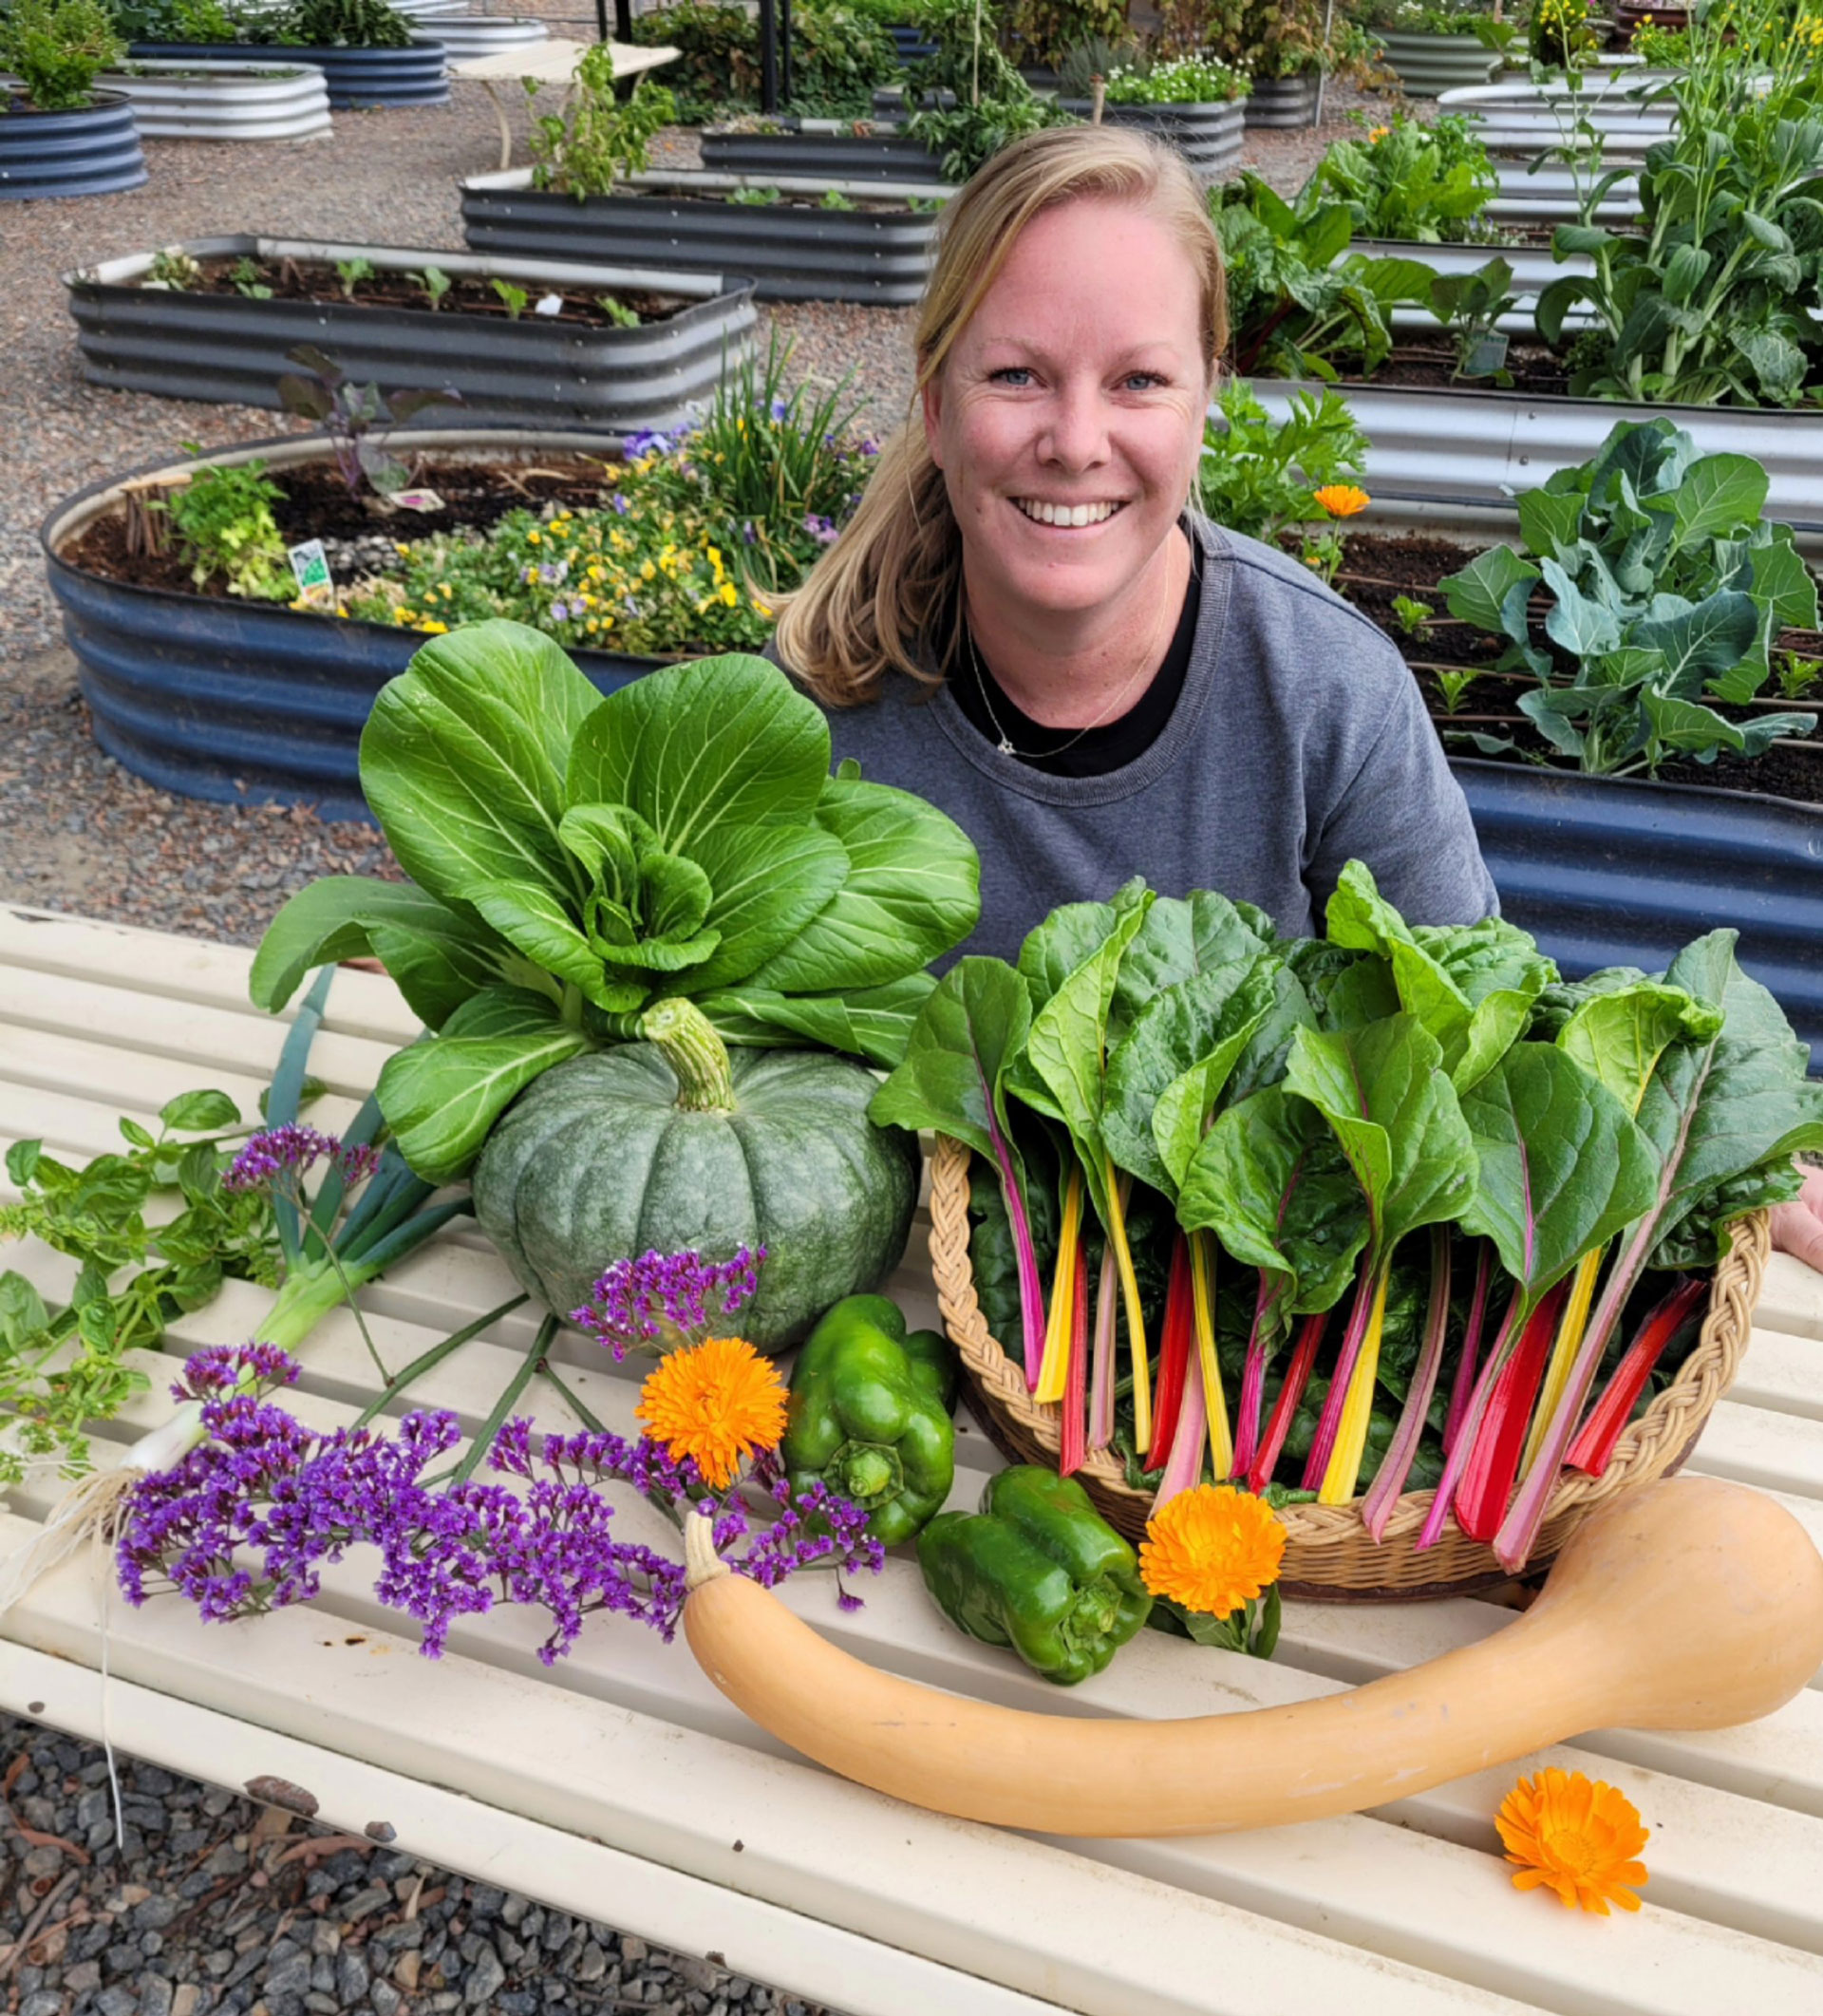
<point x="1076" y="431"/>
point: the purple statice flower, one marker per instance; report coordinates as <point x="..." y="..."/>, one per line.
<point x="660" y="1298"/>
<point x="220" y="1368"/>
<point x="278" y="1156"/>
<point x="822" y="529"/>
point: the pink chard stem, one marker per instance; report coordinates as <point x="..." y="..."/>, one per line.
<point x="1184" y="1466"/>
<point x="1101" y="1370"/>
<point x="1471" y="1347"/>
<point x="1031" y="1288"/>
<point x="1253" y="1400"/>
<point x="1390" y="1479"/>
<point x="1458" y="1458"/>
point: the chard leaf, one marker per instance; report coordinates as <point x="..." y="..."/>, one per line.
<point x="439" y="954"/>
<point x="1059" y="944"/>
<point x="872" y="1022"/>
<point x="912" y="890"/>
<point x="1700" y="1236"/>
<point x="462" y="758"/>
<point x="1618" y="1036"/>
<point x="951" y="1079"/>
<point x="1184" y="1041"/>
<point x="442" y="1094"/>
<point x="1182" y="935"/>
<point x="701" y="745"/>
<point x="1269" y="1180"/>
<point x="1383" y="1091"/>
<point x="1561" y="1166"/>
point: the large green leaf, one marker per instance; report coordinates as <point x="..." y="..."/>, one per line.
<point x="1490" y="592"/>
<point x="768" y="884"/>
<point x="912" y="890"/>
<point x="1697" y="642"/>
<point x="1384" y="1092"/>
<point x="534" y="920"/>
<point x="1618" y="1036"/>
<point x="1561" y="1165"/>
<point x="872" y="1022"/>
<point x="1069" y="936"/>
<point x="950" y="1079"/>
<point x="1181" y="935"/>
<point x="462" y="758"/>
<point x="1719" y="494"/>
<point x="1270" y="1180"/>
<point x="724" y="740"/>
<point x="442" y="1094"/>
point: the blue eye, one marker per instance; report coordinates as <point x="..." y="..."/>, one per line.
<point x="1009" y="372"/>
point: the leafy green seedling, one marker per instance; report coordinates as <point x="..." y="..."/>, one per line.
<point x="1411" y="614"/>
<point x="351" y="272"/>
<point x="436" y="284"/>
<point x="515" y="297"/>
<point x="617" y="312"/>
<point x="834" y="199"/>
<point x="247" y="281"/>
<point x="1452" y="684"/>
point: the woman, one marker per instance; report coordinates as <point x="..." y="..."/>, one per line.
<point x="1026" y="621"/>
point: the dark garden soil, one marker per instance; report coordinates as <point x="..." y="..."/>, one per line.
<point x="291" y="279"/>
<point x="1379" y="569"/>
<point x="1432" y="362"/>
<point x="316" y="504"/>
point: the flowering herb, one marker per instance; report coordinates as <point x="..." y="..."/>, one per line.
<point x="1576" y="1836"/>
<point x="660" y="1300"/>
<point x="249" y="1518"/>
<point x="1211" y="1557"/>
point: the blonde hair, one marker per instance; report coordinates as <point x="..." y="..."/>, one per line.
<point x="866" y="604"/>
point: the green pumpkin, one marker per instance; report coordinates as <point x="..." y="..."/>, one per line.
<point x="673" y="1144"/>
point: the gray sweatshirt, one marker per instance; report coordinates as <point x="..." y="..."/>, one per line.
<point x="1298" y="743"/>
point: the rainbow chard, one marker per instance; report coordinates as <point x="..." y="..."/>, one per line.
<point x="1389" y="1480"/>
<point x="1271" y="1182"/>
<point x="953" y="1080"/>
<point x="1723" y="1115"/>
<point x="1385" y="1093"/>
<point x="1070" y="963"/>
<point x="1562" y="1167"/>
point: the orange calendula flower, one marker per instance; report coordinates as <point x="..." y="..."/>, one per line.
<point x="1575" y="1835"/>
<point x="1341" y="499"/>
<point x="1213" y="1549"/>
<point x="717" y="1401"/>
<point x="1376" y="134"/>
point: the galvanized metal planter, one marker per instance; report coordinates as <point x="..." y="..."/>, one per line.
<point x="684" y="222"/>
<point x="94" y="151"/>
<point x="1549" y="195"/>
<point x="1426" y="65"/>
<point x="1526" y="117"/>
<point x="358" y="79"/>
<point x="1283" y="101"/>
<point x="227" y="348"/>
<point x="175" y="99"/>
<point x="1209" y="135"/>
<point x="466" y="36"/>
<point x="1454" y="457"/>
<point x="820" y="149"/>
<point x="1532" y="268"/>
<point x="1608" y="870"/>
<point x="243" y="702"/>
<point x="912" y="42"/>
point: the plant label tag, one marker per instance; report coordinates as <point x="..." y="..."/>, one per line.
<point x="311" y="569"/>
<point x="417" y="499"/>
<point x="548" y="305"/>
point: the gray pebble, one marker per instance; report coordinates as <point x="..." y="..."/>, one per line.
<point x="485" y="1979"/>
<point x="116" y="2002"/>
<point x="351" y="1978"/>
<point x="45" y="2001"/>
<point x="227" y="1860"/>
<point x="155" y="1913"/>
<point x="290" y="1974"/>
<point x="155" y="1995"/>
<point x="634" y="1949"/>
<point x="591" y="1965"/>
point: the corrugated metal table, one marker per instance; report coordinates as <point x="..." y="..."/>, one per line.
<point x="621" y="1786"/>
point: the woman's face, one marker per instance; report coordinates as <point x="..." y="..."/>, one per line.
<point x="1069" y="417"/>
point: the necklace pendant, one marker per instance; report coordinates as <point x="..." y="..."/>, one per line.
<point x="1006" y="747"/>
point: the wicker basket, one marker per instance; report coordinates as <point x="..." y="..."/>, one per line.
<point x="1328" y="1552"/>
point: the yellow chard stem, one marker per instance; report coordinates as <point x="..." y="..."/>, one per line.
<point x="1053" y="1370"/>
<point x="1570" y="1325"/>
<point x="1129" y="1300"/>
<point x="1351" y="1435"/>
<point x="1202" y="1291"/>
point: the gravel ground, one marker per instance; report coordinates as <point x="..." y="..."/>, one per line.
<point x="208" y="1909"/>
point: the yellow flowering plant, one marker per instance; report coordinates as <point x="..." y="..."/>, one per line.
<point x="1211" y="1557"/>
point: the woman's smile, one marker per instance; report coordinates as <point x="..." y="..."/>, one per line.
<point x="1066" y="517"/>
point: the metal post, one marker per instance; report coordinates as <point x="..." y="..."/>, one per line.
<point x="623" y="20"/>
<point x="768" y="56"/>
<point x="1323" y="75"/>
<point x="784" y="50"/>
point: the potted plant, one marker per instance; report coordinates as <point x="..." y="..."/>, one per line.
<point x="1197" y="103"/>
<point x="58" y="136"/>
<point x="368" y="52"/>
<point x="589" y="196"/>
<point x="217" y="318"/>
<point x="1431" y="45"/>
<point x="213" y="669"/>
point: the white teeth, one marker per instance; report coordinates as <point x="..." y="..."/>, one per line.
<point x="1071" y="514"/>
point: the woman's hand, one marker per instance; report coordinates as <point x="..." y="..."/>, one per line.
<point x="1797" y="1227"/>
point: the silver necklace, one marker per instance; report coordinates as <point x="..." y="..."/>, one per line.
<point x="1005" y="745"/>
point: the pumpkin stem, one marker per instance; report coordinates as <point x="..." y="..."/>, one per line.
<point x="696" y="1054"/>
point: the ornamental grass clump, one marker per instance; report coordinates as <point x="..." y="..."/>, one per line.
<point x="252" y="1516"/>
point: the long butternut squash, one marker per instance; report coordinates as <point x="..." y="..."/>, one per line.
<point x="1691" y="1604"/>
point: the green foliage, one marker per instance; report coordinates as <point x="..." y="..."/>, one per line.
<point x="1667" y="587"/>
<point x="57" y="49"/>
<point x="245" y="274"/>
<point x="993" y="105"/>
<point x="965" y="136"/>
<point x="171" y="21"/>
<point x="1404" y="180"/>
<point x="223" y="519"/>
<point x="173" y="269"/>
<point x="617" y="312"/>
<point x="1709" y="301"/>
<point x="60" y="1371"/>
<point x="575" y="860"/>
<point x="1258" y="476"/>
<point x="1452" y="683"/>
<point x="838" y="55"/>
<point x="1411" y="615"/>
<point x="515" y="298"/>
<point x="350" y="272"/>
<point x="1046" y="33"/>
<point x="1297" y="307"/>
<point x="757" y="197"/>
<point x="1472" y="304"/>
<point x="358" y="418"/>
<point x="599" y="140"/>
<point x="1561" y="34"/>
<point x="1424" y="17"/>
<point x="436" y="284"/>
<point x="1189" y="79"/>
<point x="338" y="25"/>
<point x="834" y="199"/>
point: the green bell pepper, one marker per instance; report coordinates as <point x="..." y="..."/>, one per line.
<point x="869" y="1415"/>
<point x="1038" y="1569"/>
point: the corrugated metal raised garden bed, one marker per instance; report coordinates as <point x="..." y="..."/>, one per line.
<point x="228" y="344"/>
<point x="358" y="79"/>
<point x="175" y="99"/>
<point x="877" y="251"/>
<point x="1208" y="135"/>
<point x="828" y="150"/>
<point x="93" y="151"/>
